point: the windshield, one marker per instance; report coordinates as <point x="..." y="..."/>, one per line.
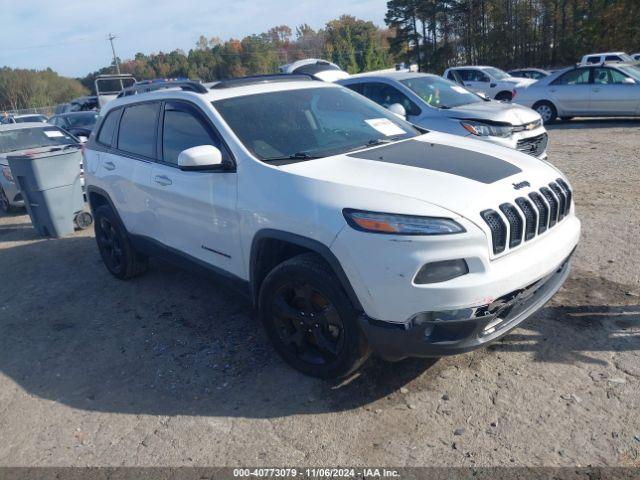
<point x="310" y="122"/>
<point x="441" y="93"/>
<point x="31" y="118"/>
<point x="632" y="71"/>
<point x="35" y="137"/>
<point x="82" y="119"/>
<point x="497" y="73"/>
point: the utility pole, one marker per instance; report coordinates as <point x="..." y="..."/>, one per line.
<point x="111" y="38"/>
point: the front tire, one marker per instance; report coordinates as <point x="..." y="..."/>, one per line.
<point x="310" y="320"/>
<point x="117" y="253"/>
<point x="547" y="111"/>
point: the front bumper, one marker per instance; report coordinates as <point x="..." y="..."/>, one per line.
<point x="453" y="332"/>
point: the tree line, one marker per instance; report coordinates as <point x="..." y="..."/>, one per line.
<point x="356" y="45"/>
<point x="510" y="33"/>
<point x="21" y="88"/>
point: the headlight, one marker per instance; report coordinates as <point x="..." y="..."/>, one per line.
<point x="397" y="224"/>
<point x="6" y="173"/>
<point x="486" y="130"/>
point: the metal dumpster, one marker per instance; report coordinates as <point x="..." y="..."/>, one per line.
<point x="50" y="184"/>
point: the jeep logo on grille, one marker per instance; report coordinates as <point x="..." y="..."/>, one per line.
<point x="521" y="185"/>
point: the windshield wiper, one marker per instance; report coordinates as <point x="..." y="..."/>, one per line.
<point x="295" y="156"/>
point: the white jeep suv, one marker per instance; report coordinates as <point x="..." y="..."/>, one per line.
<point x="349" y="230"/>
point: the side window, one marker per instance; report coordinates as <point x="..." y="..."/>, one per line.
<point x="465" y="75"/>
<point x="138" y="126"/>
<point x="182" y="130"/>
<point x="386" y="95"/>
<point x="607" y="76"/>
<point x="356" y="87"/>
<point x="478" y="76"/>
<point x="105" y="136"/>
<point x="612" y="58"/>
<point x="579" y="76"/>
<point x="593" y="60"/>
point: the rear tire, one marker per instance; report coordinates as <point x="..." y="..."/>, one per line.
<point x="310" y="320"/>
<point x="117" y="253"/>
<point x="547" y="111"/>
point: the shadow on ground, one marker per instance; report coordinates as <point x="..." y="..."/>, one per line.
<point x="172" y="342"/>
<point x="580" y="123"/>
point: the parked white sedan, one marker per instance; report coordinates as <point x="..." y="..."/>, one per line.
<point x="587" y="91"/>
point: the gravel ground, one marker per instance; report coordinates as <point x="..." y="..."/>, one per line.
<point x="173" y="368"/>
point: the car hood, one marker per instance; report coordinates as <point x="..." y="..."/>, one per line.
<point x="494" y="111"/>
<point x="461" y="175"/>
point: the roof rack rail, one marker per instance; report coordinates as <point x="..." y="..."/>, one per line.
<point x="258" y="79"/>
<point x="153" y="85"/>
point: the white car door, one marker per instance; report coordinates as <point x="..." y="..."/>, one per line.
<point x="610" y="95"/>
<point x="196" y="209"/>
<point x="477" y="80"/>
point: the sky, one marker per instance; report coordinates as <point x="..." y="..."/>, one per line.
<point x="70" y="36"/>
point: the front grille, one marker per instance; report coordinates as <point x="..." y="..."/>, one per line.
<point x="529" y="216"/>
<point x="534" y="145"/>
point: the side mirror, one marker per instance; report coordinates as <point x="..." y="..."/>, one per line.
<point x="483" y="95"/>
<point x="398" y="110"/>
<point x="628" y="81"/>
<point x="204" y="157"/>
<point x="82" y="139"/>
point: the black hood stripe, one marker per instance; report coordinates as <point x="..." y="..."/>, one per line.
<point x="441" y="158"/>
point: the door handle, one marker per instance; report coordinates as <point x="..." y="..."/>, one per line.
<point x="109" y="166"/>
<point x="162" y="180"/>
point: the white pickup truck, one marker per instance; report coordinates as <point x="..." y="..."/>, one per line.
<point x="491" y="81"/>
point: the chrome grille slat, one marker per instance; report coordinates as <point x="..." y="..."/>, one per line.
<point x="543" y="211"/>
<point x="498" y="229"/>
<point x="529" y="216"/>
<point x="553" y="205"/>
<point x="515" y="224"/>
<point x="561" y="198"/>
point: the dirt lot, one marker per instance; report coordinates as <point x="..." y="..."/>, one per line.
<point x="173" y="369"/>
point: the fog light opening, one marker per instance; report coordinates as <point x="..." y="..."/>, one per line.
<point x="442" y="271"/>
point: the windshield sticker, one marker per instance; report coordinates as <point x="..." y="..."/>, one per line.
<point x="385" y="126"/>
<point x="458" y="89"/>
<point x="54" y="133"/>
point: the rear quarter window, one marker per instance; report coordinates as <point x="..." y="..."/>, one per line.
<point x="105" y="137"/>
<point x="138" y="127"/>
